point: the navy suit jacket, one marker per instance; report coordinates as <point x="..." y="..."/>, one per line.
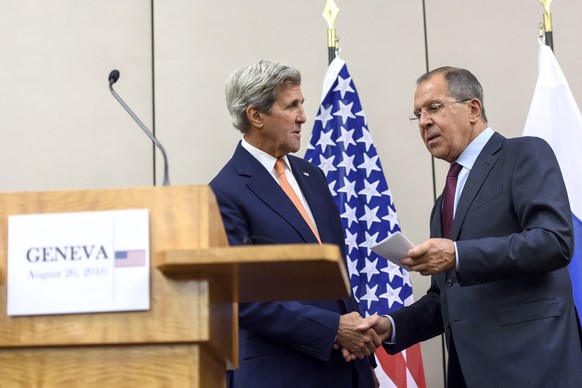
<point x="509" y="309"/>
<point x="285" y="344"/>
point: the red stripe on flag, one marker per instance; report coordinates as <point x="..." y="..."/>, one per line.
<point x="414" y="363"/>
<point x="394" y="366"/>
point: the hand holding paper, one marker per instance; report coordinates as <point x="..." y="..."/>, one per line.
<point x="432" y="256"/>
<point x="394" y="248"/>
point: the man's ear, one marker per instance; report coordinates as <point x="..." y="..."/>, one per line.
<point x="255" y="117"/>
<point x="476" y="108"/>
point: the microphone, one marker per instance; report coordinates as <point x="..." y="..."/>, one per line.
<point x="113" y="77"/>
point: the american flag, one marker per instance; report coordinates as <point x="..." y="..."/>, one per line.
<point x="130" y="258"/>
<point x="341" y="145"/>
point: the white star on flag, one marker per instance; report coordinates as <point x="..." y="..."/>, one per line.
<point x="348" y="188"/>
<point x="370" y="164"/>
<point x="343" y="86"/>
<point x="370" y="191"/>
<point x="391" y="217"/>
<point x="370" y="216"/>
<point x="370" y="269"/>
<point x="326" y="164"/>
<point x="370" y="295"/>
<point x="344" y="111"/>
<point x="347" y="137"/>
<point x="392" y="270"/>
<point x="366" y="138"/>
<point x="347" y="162"/>
<point x="341" y="145"/>
<point x="392" y="296"/>
<point x="350" y="214"/>
<point x="324" y="116"/>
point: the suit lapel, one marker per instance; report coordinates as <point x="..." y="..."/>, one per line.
<point x="262" y="184"/>
<point x="477" y="176"/>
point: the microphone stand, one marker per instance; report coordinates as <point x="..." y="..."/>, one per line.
<point x="113" y="77"/>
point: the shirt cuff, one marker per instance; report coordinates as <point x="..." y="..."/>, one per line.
<point x="392" y="340"/>
<point x="457" y="265"/>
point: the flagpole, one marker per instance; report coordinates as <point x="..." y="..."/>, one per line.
<point x="548" y="23"/>
<point x="330" y="12"/>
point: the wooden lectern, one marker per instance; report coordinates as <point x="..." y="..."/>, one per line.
<point x="189" y="335"/>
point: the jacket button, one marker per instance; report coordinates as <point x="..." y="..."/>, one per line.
<point x="449" y="282"/>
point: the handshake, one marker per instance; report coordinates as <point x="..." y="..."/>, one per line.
<point x="359" y="337"/>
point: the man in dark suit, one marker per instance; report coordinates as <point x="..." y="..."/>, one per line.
<point x="500" y="289"/>
<point x="285" y="344"/>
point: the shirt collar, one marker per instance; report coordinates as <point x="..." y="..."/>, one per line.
<point x="469" y="155"/>
<point x="268" y="161"/>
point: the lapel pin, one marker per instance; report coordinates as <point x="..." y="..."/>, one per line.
<point x="305" y="173"/>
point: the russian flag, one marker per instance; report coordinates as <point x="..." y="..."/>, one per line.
<point x="555" y="117"/>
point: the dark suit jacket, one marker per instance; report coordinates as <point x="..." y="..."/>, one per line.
<point x="509" y="310"/>
<point x="285" y="344"/>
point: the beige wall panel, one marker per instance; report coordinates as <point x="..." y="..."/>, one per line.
<point x="60" y="127"/>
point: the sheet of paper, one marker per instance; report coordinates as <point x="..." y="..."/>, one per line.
<point x="394" y="248"/>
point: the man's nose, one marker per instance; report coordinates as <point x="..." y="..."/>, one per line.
<point x="424" y="120"/>
<point x="302" y="118"/>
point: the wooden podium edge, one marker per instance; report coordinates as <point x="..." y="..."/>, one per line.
<point x="265" y="272"/>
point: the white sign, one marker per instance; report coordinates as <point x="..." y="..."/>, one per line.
<point x="78" y="262"/>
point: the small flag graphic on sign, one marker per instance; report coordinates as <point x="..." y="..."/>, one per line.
<point x="130" y="258"/>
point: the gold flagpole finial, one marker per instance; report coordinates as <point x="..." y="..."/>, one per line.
<point x="546" y="5"/>
<point x="330" y="12"/>
<point x="547" y="15"/>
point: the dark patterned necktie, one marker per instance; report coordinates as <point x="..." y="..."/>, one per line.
<point x="449" y="200"/>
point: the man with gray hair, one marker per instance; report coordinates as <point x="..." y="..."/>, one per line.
<point x="267" y="196"/>
<point x="501" y="241"/>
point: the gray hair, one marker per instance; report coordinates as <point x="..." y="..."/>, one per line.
<point x="462" y="84"/>
<point x="256" y="85"/>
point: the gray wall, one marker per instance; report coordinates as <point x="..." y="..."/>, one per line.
<point x="61" y="128"/>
